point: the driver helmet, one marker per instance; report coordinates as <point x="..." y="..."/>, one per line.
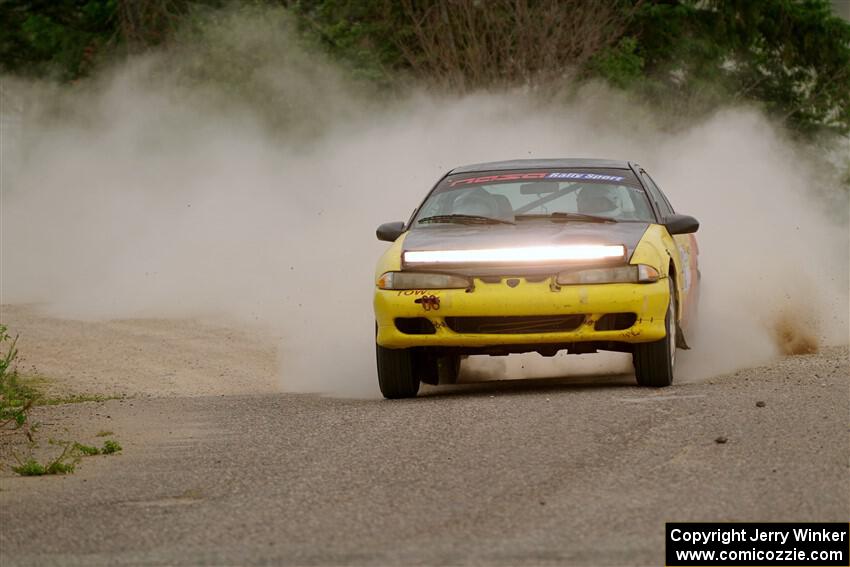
<point x="599" y="200"/>
<point x="479" y="203"/>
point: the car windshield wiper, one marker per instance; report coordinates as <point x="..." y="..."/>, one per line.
<point x="464" y="219"/>
<point x="561" y="216"/>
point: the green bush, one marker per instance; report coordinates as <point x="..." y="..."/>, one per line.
<point x="620" y="65"/>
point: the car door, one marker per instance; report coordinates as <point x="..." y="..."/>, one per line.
<point x="687" y="251"/>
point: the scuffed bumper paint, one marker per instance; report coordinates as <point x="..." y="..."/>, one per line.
<point x="648" y="301"/>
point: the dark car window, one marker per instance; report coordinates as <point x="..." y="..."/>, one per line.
<point x="660" y="200"/>
<point x="521" y="194"/>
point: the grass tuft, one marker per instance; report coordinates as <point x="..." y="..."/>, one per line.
<point x="86" y="450"/>
<point x="16" y="397"/>
<point x="110" y="446"/>
<point x="33" y="468"/>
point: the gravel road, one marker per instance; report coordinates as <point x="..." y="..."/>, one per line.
<point x="580" y="471"/>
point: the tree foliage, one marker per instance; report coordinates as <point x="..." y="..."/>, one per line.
<point x="791" y="56"/>
<point x="469" y="44"/>
<point x="54" y="38"/>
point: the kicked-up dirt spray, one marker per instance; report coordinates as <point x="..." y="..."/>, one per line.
<point x="153" y="191"/>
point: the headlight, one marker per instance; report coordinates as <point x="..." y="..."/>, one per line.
<point x="523" y="255"/>
<point x="640" y="273"/>
<point x="414" y="280"/>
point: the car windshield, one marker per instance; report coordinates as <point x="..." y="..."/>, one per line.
<point x="560" y="195"/>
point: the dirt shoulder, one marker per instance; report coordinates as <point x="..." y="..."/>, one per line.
<point x="141" y="357"/>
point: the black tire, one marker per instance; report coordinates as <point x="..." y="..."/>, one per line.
<point x="396" y="373"/>
<point x="654" y="362"/>
<point x="425" y="365"/>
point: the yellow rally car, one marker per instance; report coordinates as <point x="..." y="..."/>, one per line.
<point x="535" y="256"/>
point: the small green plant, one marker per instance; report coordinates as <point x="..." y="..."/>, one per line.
<point x="110" y="446"/>
<point x="16" y="398"/>
<point x="104" y="433"/>
<point x="63" y="464"/>
<point x="67" y="460"/>
<point x="33" y="468"/>
<point x="87" y="450"/>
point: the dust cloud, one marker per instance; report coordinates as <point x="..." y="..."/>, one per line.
<point x="150" y="192"/>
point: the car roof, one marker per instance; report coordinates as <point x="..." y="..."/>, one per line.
<point x="542" y="164"/>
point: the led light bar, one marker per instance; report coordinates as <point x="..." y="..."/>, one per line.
<point x="523" y="255"/>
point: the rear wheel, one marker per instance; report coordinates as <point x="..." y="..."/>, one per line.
<point x="396" y="373"/>
<point x="654" y="362"/>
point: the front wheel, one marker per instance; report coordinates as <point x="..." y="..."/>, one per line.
<point x="396" y="374"/>
<point x="654" y="361"/>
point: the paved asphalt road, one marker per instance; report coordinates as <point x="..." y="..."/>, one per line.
<point x="534" y="472"/>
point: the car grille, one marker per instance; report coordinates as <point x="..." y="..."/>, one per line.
<point x="615" y="321"/>
<point x="515" y="325"/>
<point x="415" y="326"/>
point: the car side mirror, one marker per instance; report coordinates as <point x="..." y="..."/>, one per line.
<point x="681" y="224"/>
<point x="389" y="231"/>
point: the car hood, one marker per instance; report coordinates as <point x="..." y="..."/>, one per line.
<point x="525" y="233"/>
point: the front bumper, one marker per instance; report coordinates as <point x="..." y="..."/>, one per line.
<point x="527" y="299"/>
